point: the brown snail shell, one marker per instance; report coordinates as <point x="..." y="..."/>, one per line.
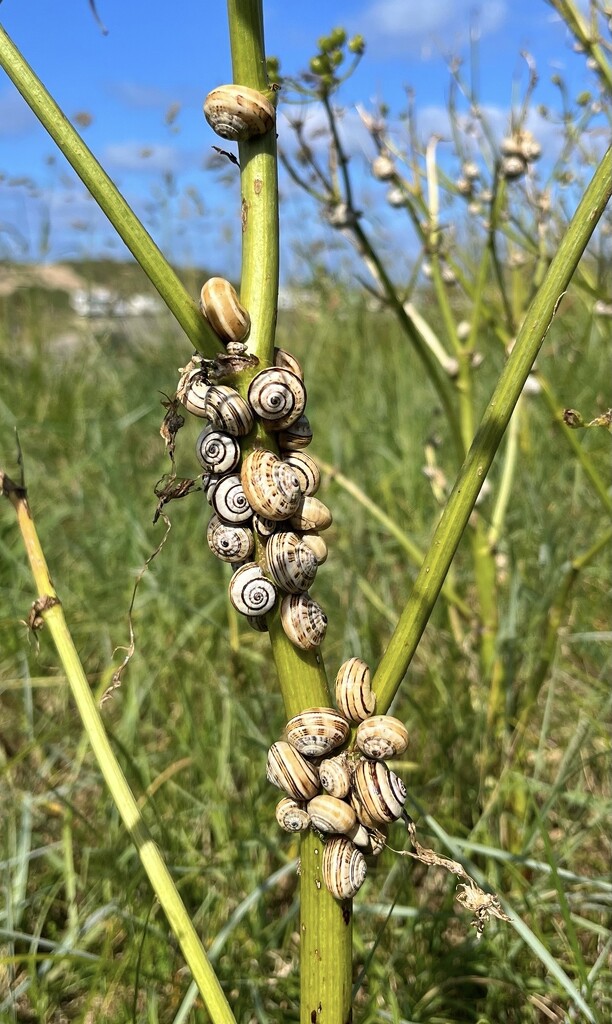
<point x="382" y="736"/>
<point x="317" y="545"/>
<point x="354" y="695"/>
<point x="229" y="500"/>
<point x="311" y="514"/>
<point x="297" y="436"/>
<point x="227" y="410"/>
<point x="359" y="835"/>
<point x="229" y="543"/>
<point x="271" y="487"/>
<point x="381" y="793"/>
<point x="328" y="814"/>
<point x="306" y="470"/>
<point x="237" y="113"/>
<point x="303" y="621"/>
<point x="278" y="397"/>
<point x="316" y="731"/>
<point x="221" y="307"/>
<point x="334" y="776"/>
<point x="290" y="562"/>
<point x="292" y="815"/>
<point x="289" y="771"/>
<point x="343" y="868"/>
<point x="287" y="361"/>
<point x="250" y="591"/>
<point x="217" y="451"/>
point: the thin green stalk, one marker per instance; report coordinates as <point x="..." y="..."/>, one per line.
<point x="453" y="522"/>
<point x="108" y="198"/>
<point x="506" y="480"/>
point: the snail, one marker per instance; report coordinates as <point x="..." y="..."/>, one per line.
<point x="297" y="436"/>
<point x="264" y="527"/>
<point x="382" y="736"/>
<point x="250" y="591"/>
<point x="217" y="451"/>
<point x="303" y="620"/>
<point x="381" y="793"/>
<point x="287" y="361"/>
<point x="360" y="836"/>
<point x="290" y="562"/>
<point x="237" y="113"/>
<point x="512" y="167"/>
<point x="271" y="487"/>
<point x="328" y="814"/>
<point x="306" y="471"/>
<point x="229" y="500"/>
<point x="192" y="391"/>
<point x="334" y="776"/>
<point x="227" y="542"/>
<point x="383" y="168"/>
<point x="311" y="514"/>
<point x="227" y="410"/>
<point x="316" y="731"/>
<point x="292" y="815"/>
<point x="343" y="868"/>
<point x="354" y="695"/>
<point x="221" y="307"/>
<point x="317" y="545"/>
<point x="278" y="397"/>
<point x="288" y="770"/>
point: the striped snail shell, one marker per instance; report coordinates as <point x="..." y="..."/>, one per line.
<point x="328" y="814"/>
<point x="217" y="451"/>
<point x="250" y="591"/>
<point x="289" y="771"/>
<point x="306" y="470"/>
<point x="286" y="361"/>
<point x="297" y="436"/>
<point x="334" y="776"/>
<point x="343" y="868"/>
<point x="229" y="500"/>
<point x="227" y="542"/>
<point x="382" y="736"/>
<point x="237" y="113"/>
<point x="363" y="816"/>
<point x="359" y="835"/>
<point x="311" y="514"/>
<point x="354" y="695"/>
<point x="377" y="839"/>
<point x="303" y="621"/>
<point x="271" y="487"/>
<point x="379" y="790"/>
<point x="290" y="562"/>
<point x="317" y="545"/>
<point x="292" y="815"/>
<point x="192" y="391"/>
<point x="264" y="527"/>
<point x="316" y="731"/>
<point x="258" y="623"/>
<point x="220" y="305"/>
<point x="227" y="410"/>
<point x="278" y="397"/>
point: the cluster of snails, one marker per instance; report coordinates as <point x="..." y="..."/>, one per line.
<point x="518" y="151"/>
<point x="350" y="797"/>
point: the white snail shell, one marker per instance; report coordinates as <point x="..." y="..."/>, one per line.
<point x="264" y="527"/>
<point x="227" y="542"/>
<point x="306" y="469"/>
<point x="290" y="562"/>
<point x="250" y="591"/>
<point x="383" y="168"/>
<point x="317" y="545"/>
<point x="328" y="814"/>
<point x="278" y="397"/>
<point x="221" y="307"/>
<point x="258" y="622"/>
<point x="227" y="410"/>
<point x="512" y="167"/>
<point x="360" y="836"/>
<point x="237" y="113"/>
<point x="229" y="500"/>
<point x="354" y="695"/>
<point x="303" y="621"/>
<point x="292" y="815"/>
<point x="343" y="868"/>
<point x="334" y="776"/>
<point x="217" y="451"/>
<point x="289" y="771"/>
<point x="381" y="793"/>
<point x="297" y="436"/>
<point x="382" y="736"/>
<point x="192" y="391"/>
<point x="311" y="514"/>
<point x="316" y="731"/>
<point x="287" y="361"/>
<point x="271" y="487"/>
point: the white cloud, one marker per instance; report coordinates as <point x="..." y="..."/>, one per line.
<point x="142" y="157"/>
<point x="139" y="96"/>
<point x="414" y="26"/>
<point x="16" y="118"/>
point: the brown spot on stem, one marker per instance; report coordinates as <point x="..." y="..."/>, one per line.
<point x="346" y="914"/>
<point x="257" y="186"/>
<point x="313" y="1016"/>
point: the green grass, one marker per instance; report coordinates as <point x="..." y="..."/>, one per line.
<point x="199" y="706"/>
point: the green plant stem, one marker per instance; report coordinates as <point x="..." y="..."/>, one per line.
<point x="325" y="923"/>
<point x="428" y="583"/>
<point x="108" y="198"/>
<point x="150" y="856"/>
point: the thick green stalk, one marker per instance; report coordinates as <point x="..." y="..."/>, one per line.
<point x="428" y="583"/>
<point x="108" y="198"/>
<point x="325" y="923"/>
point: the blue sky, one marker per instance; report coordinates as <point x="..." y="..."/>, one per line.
<point x="158" y="54"/>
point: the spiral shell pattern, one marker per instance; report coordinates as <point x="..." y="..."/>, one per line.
<point x="328" y="814"/>
<point x="227" y="542"/>
<point x="306" y="470"/>
<point x="271" y="487"/>
<point x="343" y="868"/>
<point x="316" y="731"/>
<point x="227" y="410"/>
<point x="290" y="562"/>
<point x="382" y="736"/>
<point x="229" y="500"/>
<point x="217" y="451"/>
<point x="192" y="391"/>
<point x="250" y="591"/>
<point x="379" y="790"/>
<point x="278" y="397"/>
<point x="303" y="620"/>
<point x="237" y="113"/>
<point x="292" y="815"/>
<point x="334" y="776"/>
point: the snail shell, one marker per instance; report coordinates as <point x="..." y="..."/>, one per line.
<point x="311" y="514"/>
<point x="343" y="868"/>
<point x="303" y="621"/>
<point x="237" y="113"/>
<point x="271" y="487"/>
<point x="217" y="451"/>
<point x="316" y="731"/>
<point x="334" y="776"/>
<point x="264" y="527"/>
<point x="192" y="391"/>
<point x="328" y="814"/>
<point x="220" y="305"/>
<point x="278" y="397"/>
<point x="512" y="167"/>
<point x="290" y="562"/>
<point x="359" y="835"/>
<point x="289" y="771"/>
<point x="381" y="793"/>
<point x="317" y="545"/>
<point x="297" y="436"/>
<point x="250" y="591"/>
<point x="362" y="815"/>
<point x="354" y="695"/>
<point x="383" y="168"/>
<point x="377" y="840"/>
<point x="258" y="622"/>
<point x="229" y="500"/>
<point x="227" y="410"/>
<point x="291" y="815"/>
<point x="286" y="361"/>
<point x="306" y="470"/>
<point x="382" y="736"/>
<point x="229" y="543"/>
